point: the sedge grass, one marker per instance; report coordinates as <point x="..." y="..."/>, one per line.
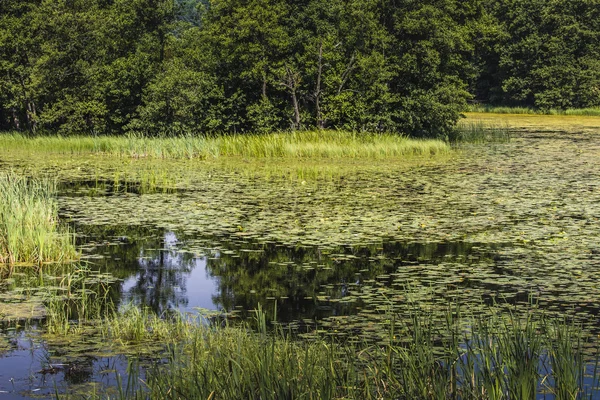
<point x="29" y="229"/>
<point x="498" y="359"/>
<point x="500" y="355"/>
<point x="515" y="356"/>
<point x="304" y="144"/>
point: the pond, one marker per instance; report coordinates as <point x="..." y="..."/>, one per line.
<point x="326" y="246"/>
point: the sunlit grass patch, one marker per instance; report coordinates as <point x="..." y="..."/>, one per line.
<point x="483" y="108"/>
<point x="29" y="227"/>
<point x="538" y="123"/>
<point x="304" y="144"/>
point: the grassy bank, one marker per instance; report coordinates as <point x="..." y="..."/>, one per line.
<point x="29" y="228"/>
<point x="477" y="131"/>
<point x="306" y="144"/>
<point x="483" y="108"/>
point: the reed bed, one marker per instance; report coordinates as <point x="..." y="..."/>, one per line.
<point x="498" y="358"/>
<point x="518" y="355"/>
<point x="29" y="229"/>
<point x="481" y="108"/>
<point x="304" y="144"/>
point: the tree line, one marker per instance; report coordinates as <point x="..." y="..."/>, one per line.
<point x="157" y="67"/>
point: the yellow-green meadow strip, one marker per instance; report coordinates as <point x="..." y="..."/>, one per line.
<point x="532" y="122"/>
<point x="29" y="228"/>
<point x="482" y="108"/>
<point x="304" y="144"/>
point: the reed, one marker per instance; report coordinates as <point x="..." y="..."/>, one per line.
<point x="304" y="144"/>
<point x="235" y="363"/>
<point x="514" y="355"/>
<point x="498" y="357"/>
<point x="477" y="131"/>
<point x="29" y="229"/>
<point x="77" y="302"/>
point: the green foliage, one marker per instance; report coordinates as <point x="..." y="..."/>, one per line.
<point x="180" y="67"/>
<point x="544" y="54"/>
<point x="158" y="67"/>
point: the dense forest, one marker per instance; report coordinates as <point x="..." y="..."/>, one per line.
<point x="158" y="67"/>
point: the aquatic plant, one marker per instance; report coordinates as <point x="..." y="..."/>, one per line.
<point x="302" y="144"/>
<point x="499" y="356"/>
<point x="29" y="229"/>
<point x="477" y="131"/>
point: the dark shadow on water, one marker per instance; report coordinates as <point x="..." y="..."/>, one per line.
<point x="107" y="188"/>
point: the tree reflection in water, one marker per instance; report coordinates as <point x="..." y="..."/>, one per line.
<point x="239" y="275"/>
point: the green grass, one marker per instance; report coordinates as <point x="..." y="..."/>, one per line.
<point x="482" y="108"/>
<point x="498" y="359"/>
<point x="498" y="356"/>
<point x="476" y="131"/>
<point x="306" y="144"/>
<point x="29" y="227"/>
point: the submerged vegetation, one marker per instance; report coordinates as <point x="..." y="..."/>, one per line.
<point x="301" y="144"/>
<point x="30" y="232"/>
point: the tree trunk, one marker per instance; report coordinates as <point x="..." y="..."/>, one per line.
<point x="30" y="110"/>
<point x="291" y="82"/>
<point x="296" y="109"/>
<point x="346" y="74"/>
<point x="15" y="118"/>
<point x="264" y="83"/>
<point x="31" y="116"/>
<point x="318" y="115"/>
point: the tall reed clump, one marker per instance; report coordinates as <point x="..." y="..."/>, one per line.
<point x="236" y="363"/>
<point x="29" y="229"/>
<point x="324" y="144"/>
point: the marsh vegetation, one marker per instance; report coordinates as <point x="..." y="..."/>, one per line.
<point x="385" y="275"/>
<point x="282" y="199"/>
<point x="30" y="232"/>
<point x="302" y="145"/>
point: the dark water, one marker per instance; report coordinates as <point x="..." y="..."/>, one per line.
<point x="306" y="286"/>
<point x="37" y="370"/>
<point x="155" y="270"/>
